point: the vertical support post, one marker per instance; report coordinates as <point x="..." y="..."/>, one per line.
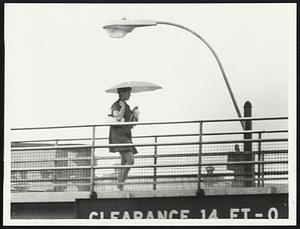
<point x="259" y="159"/>
<point x="155" y="163"/>
<point x="200" y="155"/>
<point x="55" y="165"/>
<point x="248" y="154"/>
<point x="92" y="193"/>
<point x="262" y="169"/>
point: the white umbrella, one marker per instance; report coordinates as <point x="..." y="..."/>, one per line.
<point x="136" y="86"/>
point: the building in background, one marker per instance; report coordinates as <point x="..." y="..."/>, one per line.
<point x="60" y="180"/>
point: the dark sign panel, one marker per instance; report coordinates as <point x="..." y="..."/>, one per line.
<point x="260" y="206"/>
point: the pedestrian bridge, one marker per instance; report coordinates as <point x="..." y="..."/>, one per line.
<point x="57" y="165"/>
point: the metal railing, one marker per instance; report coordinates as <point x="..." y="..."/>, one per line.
<point x="200" y="160"/>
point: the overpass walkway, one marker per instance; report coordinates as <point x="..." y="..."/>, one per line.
<point x="183" y="158"/>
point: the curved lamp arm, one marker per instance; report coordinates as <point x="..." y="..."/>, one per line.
<point x="218" y="60"/>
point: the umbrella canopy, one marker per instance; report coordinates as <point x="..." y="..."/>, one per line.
<point x="136" y="86"/>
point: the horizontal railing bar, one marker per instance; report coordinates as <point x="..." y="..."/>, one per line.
<point x="246" y="132"/>
<point x="51" y="147"/>
<point x="227" y="174"/>
<point x="150" y="177"/>
<point x="191" y="165"/>
<point x="153" y="123"/>
<point x="106" y="184"/>
<point x="272" y="178"/>
<point x="187" y="181"/>
<point x="158" y="135"/>
<point x="54" y="160"/>
<point x="136" y="183"/>
<point x="150" y="166"/>
<point x="190" y="181"/>
<point x="13" y="190"/>
<point x="152" y="182"/>
<point x="52" y="184"/>
<point x="146" y="144"/>
<point x="196" y="154"/>
<point x="210" y="133"/>
<point x="52" y="180"/>
<point x="53" y="140"/>
<point x="51" y="168"/>
<point x="269" y="173"/>
<point x="145" y="182"/>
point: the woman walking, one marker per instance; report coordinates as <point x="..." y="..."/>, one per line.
<point x="120" y="110"/>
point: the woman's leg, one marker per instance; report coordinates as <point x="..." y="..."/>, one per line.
<point x="127" y="158"/>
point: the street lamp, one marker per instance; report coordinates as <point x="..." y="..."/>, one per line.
<point x="121" y="28"/>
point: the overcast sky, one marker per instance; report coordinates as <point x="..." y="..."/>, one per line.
<point x="59" y="61"/>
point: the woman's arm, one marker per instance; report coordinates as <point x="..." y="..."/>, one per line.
<point x="119" y="115"/>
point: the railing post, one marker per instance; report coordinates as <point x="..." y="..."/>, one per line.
<point x="93" y="194"/>
<point x="200" y="155"/>
<point x="262" y="168"/>
<point x="155" y="163"/>
<point x="55" y="165"/>
<point x="259" y="159"/>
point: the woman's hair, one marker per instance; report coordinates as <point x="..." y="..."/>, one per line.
<point x="124" y="89"/>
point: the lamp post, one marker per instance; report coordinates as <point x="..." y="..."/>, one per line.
<point x="121" y="28"/>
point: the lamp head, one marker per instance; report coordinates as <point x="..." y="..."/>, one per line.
<point x="118" y="31"/>
<point x="121" y="28"/>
